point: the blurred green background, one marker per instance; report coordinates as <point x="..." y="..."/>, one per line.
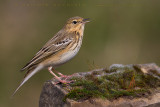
<point x="121" y="31"/>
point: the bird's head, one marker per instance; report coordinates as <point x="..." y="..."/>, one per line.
<point x="76" y="23"/>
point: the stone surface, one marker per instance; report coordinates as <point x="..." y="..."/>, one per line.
<point x="54" y="95"/>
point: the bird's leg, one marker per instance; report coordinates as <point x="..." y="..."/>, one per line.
<point x="50" y="70"/>
<point x="62" y="75"/>
<point x="59" y="79"/>
<point x="58" y="73"/>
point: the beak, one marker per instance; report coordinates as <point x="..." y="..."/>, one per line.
<point x="86" y="20"/>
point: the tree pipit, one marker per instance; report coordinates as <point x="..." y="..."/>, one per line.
<point x="57" y="51"/>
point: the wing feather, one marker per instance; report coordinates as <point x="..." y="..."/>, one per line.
<point x="57" y="43"/>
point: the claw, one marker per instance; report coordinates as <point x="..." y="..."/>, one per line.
<point x="65" y="77"/>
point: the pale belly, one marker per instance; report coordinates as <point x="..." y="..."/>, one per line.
<point x="65" y="57"/>
<point x="68" y="56"/>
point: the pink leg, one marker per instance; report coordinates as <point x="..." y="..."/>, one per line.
<point x="62" y="75"/>
<point x="58" y="72"/>
<point x="59" y="79"/>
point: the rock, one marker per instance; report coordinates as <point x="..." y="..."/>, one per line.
<point x="52" y="96"/>
<point x="134" y="85"/>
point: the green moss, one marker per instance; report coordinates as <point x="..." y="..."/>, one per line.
<point x="83" y="94"/>
<point x="128" y="82"/>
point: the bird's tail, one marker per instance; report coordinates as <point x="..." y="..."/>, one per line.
<point x="28" y="75"/>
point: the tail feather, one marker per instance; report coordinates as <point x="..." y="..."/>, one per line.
<point x="29" y="74"/>
<point x="28" y="66"/>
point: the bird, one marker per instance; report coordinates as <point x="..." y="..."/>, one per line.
<point x="61" y="48"/>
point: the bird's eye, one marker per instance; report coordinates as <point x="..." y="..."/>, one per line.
<point x="74" y="22"/>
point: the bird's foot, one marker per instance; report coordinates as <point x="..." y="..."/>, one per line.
<point x="65" y="77"/>
<point x="63" y="81"/>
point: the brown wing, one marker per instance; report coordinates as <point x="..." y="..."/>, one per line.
<point x="57" y="43"/>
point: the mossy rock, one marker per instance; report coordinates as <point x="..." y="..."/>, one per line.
<point x="118" y="81"/>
